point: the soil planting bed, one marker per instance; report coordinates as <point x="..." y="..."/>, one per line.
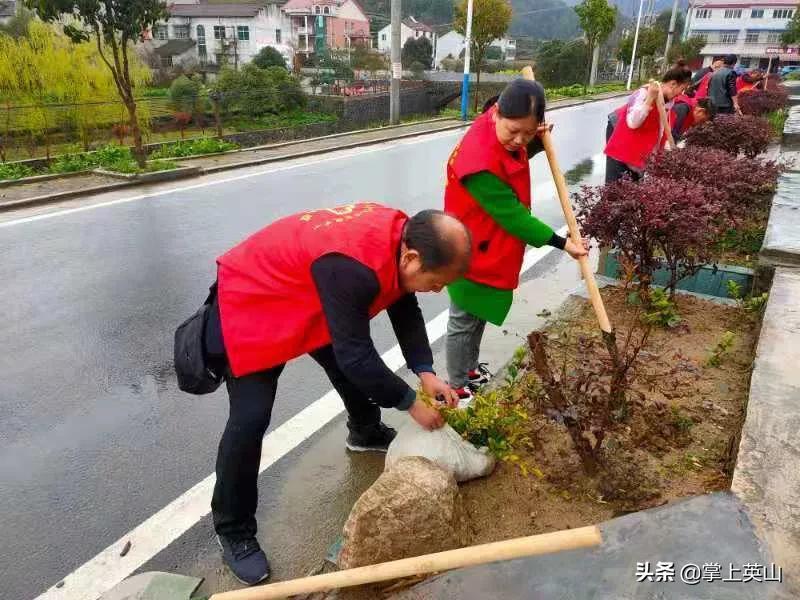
<point x="680" y="439"/>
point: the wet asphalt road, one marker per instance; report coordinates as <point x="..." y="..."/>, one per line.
<point x="94" y="435"/>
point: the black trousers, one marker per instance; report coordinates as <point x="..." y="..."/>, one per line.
<point x="616" y="170"/>
<point x="724" y="110"/>
<point x="251" y="398"/>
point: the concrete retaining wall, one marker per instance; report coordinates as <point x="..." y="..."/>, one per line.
<point x="767" y="474"/>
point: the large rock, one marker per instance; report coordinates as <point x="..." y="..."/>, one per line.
<point x="413" y="508"/>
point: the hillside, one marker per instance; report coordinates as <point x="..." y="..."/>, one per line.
<point x="541" y="19"/>
<point x="631" y="7"/>
<point x="544" y="19"/>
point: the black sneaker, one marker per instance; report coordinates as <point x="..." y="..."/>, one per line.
<point x="479" y="377"/>
<point x="374" y="438"/>
<point x="245" y="559"/>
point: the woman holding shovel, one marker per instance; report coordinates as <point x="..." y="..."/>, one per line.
<point x="489" y="190"/>
<point x="639" y="125"/>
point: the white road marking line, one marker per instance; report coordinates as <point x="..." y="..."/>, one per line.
<point x="308" y="161"/>
<point x="108" y="568"/>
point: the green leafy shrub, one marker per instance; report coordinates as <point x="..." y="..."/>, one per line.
<point x="493" y="420"/>
<point x="515" y="366"/>
<point x="193" y="148"/>
<point x="9" y="171"/>
<point x="269" y="57"/>
<point x="255" y="92"/>
<point x="748" y="303"/>
<point x="745" y="240"/>
<point x="661" y="309"/>
<point x="120" y="160"/>
<point x="160" y="165"/>
<point x="722" y="348"/>
<point x="72" y="163"/>
<point x="111" y="154"/>
<point x="155" y="92"/>
<point x="184" y="94"/>
<point x="681" y="422"/>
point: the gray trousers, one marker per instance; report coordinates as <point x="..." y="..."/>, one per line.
<point x="463" y="344"/>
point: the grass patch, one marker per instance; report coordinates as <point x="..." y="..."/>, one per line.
<point x="155" y="92"/>
<point x="11" y="171"/>
<point x="777" y="119"/>
<point x="294" y="119"/>
<point x="193" y="148"/>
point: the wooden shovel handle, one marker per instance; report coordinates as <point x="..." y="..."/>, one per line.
<point x="557" y="541"/>
<point x="572" y="224"/>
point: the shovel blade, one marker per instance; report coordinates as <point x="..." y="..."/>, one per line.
<point x="154" y="585"/>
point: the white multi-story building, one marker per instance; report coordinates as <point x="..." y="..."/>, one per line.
<point x="410" y="28"/>
<point x="200" y="33"/>
<point x="748" y="28"/>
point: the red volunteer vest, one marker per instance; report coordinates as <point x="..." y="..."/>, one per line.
<point x="744" y="86"/>
<point x="633" y="146"/>
<point x="689" y="120"/>
<point x="496" y="255"/>
<point x="702" y="87"/>
<point x="269" y="306"/>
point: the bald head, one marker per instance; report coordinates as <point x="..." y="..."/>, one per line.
<point x="441" y="240"/>
<point x="436" y="251"/>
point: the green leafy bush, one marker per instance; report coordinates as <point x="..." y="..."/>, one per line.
<point x="184" y="94"/>
<point x="269" y="57"/>
<point x="661" y="310"/>
<point x="193" y="148"/>
<point x="72" y="163"/>
<point x="722" y="348"/>
<point x="155" y="92"/>
<point x="9" y="171"/>
<point x="120" y="160"/>
<point x="494" y="420"/>
<point x="748" y="303"/>
<point x="255" y="92"/>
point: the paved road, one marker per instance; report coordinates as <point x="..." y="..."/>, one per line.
<point x="94" y="435"/>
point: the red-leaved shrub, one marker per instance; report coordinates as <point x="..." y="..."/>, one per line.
<point x="653" y="223"/>
<point x="760" y="102"/>
<point x="744" y="185"/>
<point x="120" y="130"/>
<point x="746" y="135"/>
<point x="182" y="120"/>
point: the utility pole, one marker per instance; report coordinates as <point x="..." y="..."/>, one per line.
<point x="687" y="25"/>
<point x="673" y="18"/>
<point x="397" y="65"/>
<point x="465" y="80"/>
<point x="635" y="42"/>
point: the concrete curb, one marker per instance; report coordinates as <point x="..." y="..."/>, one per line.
<point x="38" y="178"/>
<point x="57" y="197"/>
<point x="89" y="191"/>
<point x="154" y="177"/>
<point x="305" y="153"/>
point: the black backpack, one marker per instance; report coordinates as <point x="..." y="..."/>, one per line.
<point x="191" y="365"/>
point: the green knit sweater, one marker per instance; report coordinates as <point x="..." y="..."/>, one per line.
<point x="499" y="200"/>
